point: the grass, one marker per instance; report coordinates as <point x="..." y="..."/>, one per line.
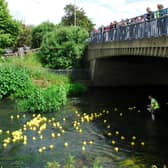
<point x="40" y="76"/>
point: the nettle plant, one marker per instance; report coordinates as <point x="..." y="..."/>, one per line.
<point x="44" y="100"/>
<point x="13" y="80"/>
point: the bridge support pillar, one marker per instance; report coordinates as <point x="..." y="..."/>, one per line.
<point x="92" y="68"/>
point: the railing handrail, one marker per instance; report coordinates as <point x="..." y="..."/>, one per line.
<point x="148" y="29"/>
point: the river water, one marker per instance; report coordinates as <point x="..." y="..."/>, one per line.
<point x="118" y="133"/>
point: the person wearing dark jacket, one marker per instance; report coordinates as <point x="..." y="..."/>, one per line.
<point x="149" y="15"/>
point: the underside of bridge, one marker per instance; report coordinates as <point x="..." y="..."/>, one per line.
<point x="129" y="71"/>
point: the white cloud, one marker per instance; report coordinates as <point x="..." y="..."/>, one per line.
<point x="99" y="11"/>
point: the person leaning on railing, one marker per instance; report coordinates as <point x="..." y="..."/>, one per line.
<point x="149" y="15"/>
<point x="161" y="12"/>
<point x="165" y="12"/>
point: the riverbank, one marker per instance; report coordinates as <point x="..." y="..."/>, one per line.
<point x="35" y="88"/>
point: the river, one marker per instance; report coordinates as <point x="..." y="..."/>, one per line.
<point x="109" y="126"/>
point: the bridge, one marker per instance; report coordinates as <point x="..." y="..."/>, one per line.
<point x="135" y="54"/>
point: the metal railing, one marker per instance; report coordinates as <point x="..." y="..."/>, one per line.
<point x="148" y="29"/>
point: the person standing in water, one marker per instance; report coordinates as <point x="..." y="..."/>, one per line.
<point x="153" y="106"/>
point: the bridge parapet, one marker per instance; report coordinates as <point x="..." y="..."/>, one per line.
<point x="148" y="29"/>
<point x="143" y="47"/>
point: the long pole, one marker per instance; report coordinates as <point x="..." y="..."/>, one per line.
<point x="75" y="13"/>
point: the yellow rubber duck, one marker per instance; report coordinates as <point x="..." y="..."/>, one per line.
<point x="132" y="143"/>
<point x="142" y="143"/>
<point x="83" y="148"/>
<point x="133" y="137"/>
<point x="116" y="149"/>
<point x="66" y="144"/>
<point x="12" y="117"/>
<point x="40" y="150"/>
<point x="122" y="138"/>
<point x="113" y="142"/>
<point x="51" y="146"/>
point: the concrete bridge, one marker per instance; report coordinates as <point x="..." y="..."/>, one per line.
<point x="129" y="58"/>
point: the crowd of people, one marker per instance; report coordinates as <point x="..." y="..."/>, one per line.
<point x="150" y="15"/>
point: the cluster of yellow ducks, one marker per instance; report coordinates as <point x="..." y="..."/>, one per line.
<point x="39" y="124"/>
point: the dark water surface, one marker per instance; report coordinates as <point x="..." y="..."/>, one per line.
<point x="125" y="125"/>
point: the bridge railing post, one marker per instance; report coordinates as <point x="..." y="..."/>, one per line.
<point x="111" y="32"/>
<point x="115" y="35"/>
<point x="153" y="28"/>
<point x="162" y="26"/>
<point x="166" y="25"/>
<point x="127" y="37"/>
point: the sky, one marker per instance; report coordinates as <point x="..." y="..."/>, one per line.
<point x="101" y="12"/>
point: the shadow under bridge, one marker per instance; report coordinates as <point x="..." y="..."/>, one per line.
<point x="130" y="71"/>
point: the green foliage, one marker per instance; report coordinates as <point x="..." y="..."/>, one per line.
<point x="77" y="89"/>
<point x="39" y="32"/>
<point x="43" y="100"/>
<point x="96" y="164"/>
<point x="17" y="80"/>
<point x="13" y="80"/>
<point x="1" y="51"/>
<point x="64" y="47"/>
<point x="16" y="83"/>
<point x="70" y="163"/>
<point x="9" y="28"/>
<point x="81" y="19"/>
<point x="25" y="36"/>
<point x="31" y="60"/>
<point x="52" y="165"/>
<point x="130" y="163"/>
<point x="49" y="77"/>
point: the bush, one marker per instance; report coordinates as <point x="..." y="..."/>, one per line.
<point x="43" y="100"/>
<point x="64" y="47"/>
<point x="77" y="89"/>
<point x="1" y="51"/>
<point x="14" y="80"/>
<point x="40" y="31"/>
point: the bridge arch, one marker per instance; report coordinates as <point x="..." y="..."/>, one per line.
<point x="130" y="71"/>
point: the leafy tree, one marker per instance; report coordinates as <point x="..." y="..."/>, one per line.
<point x="25" y="36"/>
<point x="81" y="19"/>
<point x="9" y="28"/>
<point x="40" y="31"/>
<point x="64" y="47"/>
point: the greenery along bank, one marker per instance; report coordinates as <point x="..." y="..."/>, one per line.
<point x="32" y="87"/>
<point x="61" y="46"/>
